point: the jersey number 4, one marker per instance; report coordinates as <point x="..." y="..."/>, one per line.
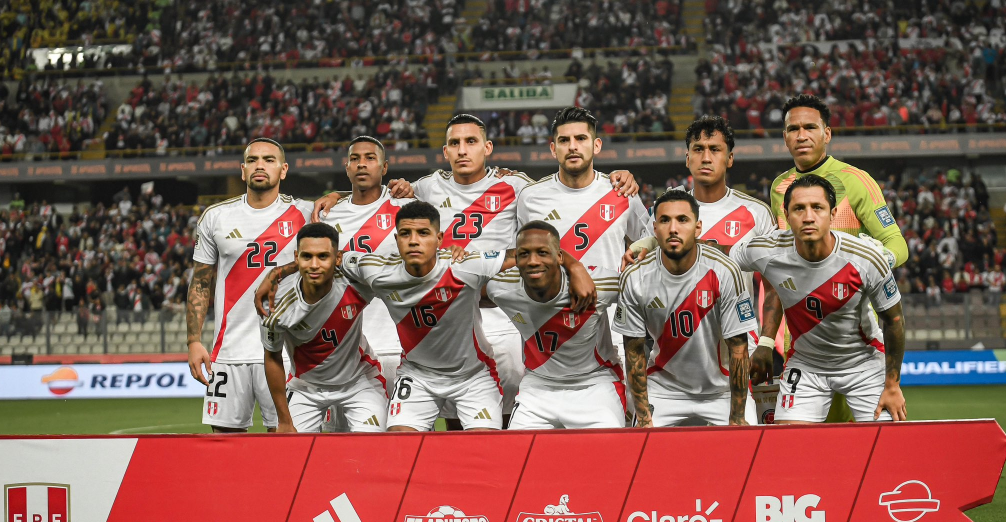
<point x="268" y="258"/>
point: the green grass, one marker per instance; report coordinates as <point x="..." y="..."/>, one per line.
<point x="134" y="416"/>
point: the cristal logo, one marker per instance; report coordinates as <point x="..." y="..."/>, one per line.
<point x="62" y="381"/>
<point x="699" y="516"/>
<point x="910" y="501"/>
<point x="788" y="509"/>
<point x="446" y="514"/>
<point x="37" y="502"/>
<point x="559" y="513"/>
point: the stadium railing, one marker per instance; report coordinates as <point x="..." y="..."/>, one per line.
<point x="321" y="147"/>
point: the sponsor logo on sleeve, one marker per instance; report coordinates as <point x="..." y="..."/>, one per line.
<point x="890" y="287"/>
<point x="745" y="312"/>
<point x="620" y="315"/>
<point x="491" y="254"/>
<point x="884" y="215"/>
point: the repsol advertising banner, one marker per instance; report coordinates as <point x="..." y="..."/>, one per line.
<point x="98" y="381"/>
<point x="953" y="367"/>
<point x="512" y="97"/>
<point x="904" y="472"/>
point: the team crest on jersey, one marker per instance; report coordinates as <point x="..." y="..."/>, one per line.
<point x="570" y="320"/>
<point x="212" y="408"/>
<point x="285" y="228"/>
<point x="384" y="221"/>
<point x="607" y="212"/>
<point x="732" y="228"/>
<point x="840" y="290"/>
<point x="492" y="203"/>
<point x="442" y="294"/>
<point x="704" y="298"/>
<point x="349" y="311"/>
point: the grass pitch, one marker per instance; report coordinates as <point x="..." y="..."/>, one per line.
<point x="138" y="416"/>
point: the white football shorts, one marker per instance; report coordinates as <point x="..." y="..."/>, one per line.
<point x="363" y="402"/>
<point x="231" y="395"/>
<point x="545" y="405"/>
<point x="806" y="396"/>
<point x="416" y="402"/>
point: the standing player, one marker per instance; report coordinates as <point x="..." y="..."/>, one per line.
<point x="435" y="305"/>
<point x="237" y="241"/>
<point x="860" y="209"/>
<point x="318" y="321"/>
<point x="827" y="281"/>
<point x="573" y="379"/>
<point x="728" y="217"/>
<point x="687" y="297"/>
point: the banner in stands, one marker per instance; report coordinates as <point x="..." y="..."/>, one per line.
<point x="613" y="155"/>
<point x="954" y="367"/>
<point x="98" y="381"/>
<point x="512" y="97"/>
<point x="904" y="472"/>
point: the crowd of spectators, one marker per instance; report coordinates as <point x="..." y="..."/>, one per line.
<point x="50" y="116"/>
<point x="626" y="96"/>
<point x="195" y="35"/>
<point x="934" y="63"/>
<point x="537" y="26"/>
<point x="133" y="255"/>
<point x="226" y="110"/>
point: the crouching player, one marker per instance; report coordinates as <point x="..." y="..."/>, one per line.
<point x="316" y="318"/>
<point x="572" y="378"/>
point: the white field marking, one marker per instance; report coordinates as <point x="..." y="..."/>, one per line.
<point x="148" y="429"/>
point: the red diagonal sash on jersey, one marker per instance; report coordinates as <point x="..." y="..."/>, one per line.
<point x="488" y="205"/>
<point x="832" y="297"/>
<point x="706" y="290"/>
<point x="376" y="228"/>
<point x="435" y="302"/>
<point x="314" y="352"/>
<point x="564" y="325"/>
<point x="241" y="277"/>
<point x="729" y="230"/>
<point x="598" y="218"/>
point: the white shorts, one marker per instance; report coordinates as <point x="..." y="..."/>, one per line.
<point x="336" y="421"/>
<point x="680" y="410"/>
<point x="416" y="402"/>
<point x="806" y="396"/>
<point x="231" y="395"/>
<point x="508" y="352"/>
<point x="545" y="406"/>
<point x="362" y="401"/>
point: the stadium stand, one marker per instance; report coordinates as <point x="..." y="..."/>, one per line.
<point x="935" y="65"/>
<point x="50" y="116"/>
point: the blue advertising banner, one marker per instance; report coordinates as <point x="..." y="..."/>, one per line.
<point x="944" y="367"/>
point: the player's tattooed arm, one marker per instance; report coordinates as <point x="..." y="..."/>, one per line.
<point x="771" y="318"/>
<point x="197" y="306"/>
<point x="891" y="399"/>
<point x="740" y="367"/>
<point x="267" y="288"/>
<point x="635" y="363"/>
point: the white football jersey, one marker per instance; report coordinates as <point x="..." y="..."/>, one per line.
<point x="593" y="222"/>
<point x="436" y="315"/>
<point x="478" y="217"/>
<point x="826" y="303"/>
<point x="245" y="243"/>
<point x="687" y="315"/>
<point x="371" y="229"/>
<point x="324" y="340"/>
<point x="366" y="228"/>
<point x="559" y="344"/>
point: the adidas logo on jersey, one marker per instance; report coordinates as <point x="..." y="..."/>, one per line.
<point x="395" y="297"/>
<point x="372" y="421"/>
<point x="338" y="228"/>
<point x="656" y="303"/>
<point x="554" y="214"/>
<point x="446" y="203"/>
<point x="235" y="234"/>
<point x="518" y="319"/>
<point x="788" y="284"/>
<point x="483" y="415"/>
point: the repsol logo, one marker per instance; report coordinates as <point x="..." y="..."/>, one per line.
<point x="138" y="380"/>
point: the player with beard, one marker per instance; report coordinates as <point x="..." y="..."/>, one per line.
<point x="237" y="241"/>
<point x="478" y="212"/>
<point x="687" y="297"/>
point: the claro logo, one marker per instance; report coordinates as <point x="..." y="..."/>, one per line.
<point x="788" y="508"/>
